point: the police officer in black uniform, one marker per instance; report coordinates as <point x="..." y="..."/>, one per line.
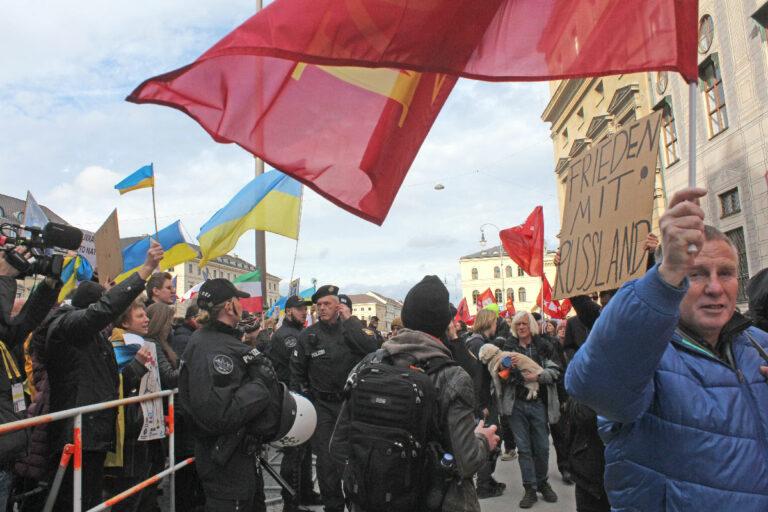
<point x="232" y="394"/>
<point x="296" y="467"/>
<point x="325" y="354"/>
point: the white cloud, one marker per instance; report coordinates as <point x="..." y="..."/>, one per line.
<point x="69" y="136"/>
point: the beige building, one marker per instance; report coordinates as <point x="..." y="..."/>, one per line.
<point x="731" y="124"/>
<point x="490" y="269"/>
<point x="369" y="304"/>
<point x="582" y="112"/>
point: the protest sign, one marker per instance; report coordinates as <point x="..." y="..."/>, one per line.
<point x="88" y="248"/>
<point x="608" y="210"/>
<point x="108" y="252"/>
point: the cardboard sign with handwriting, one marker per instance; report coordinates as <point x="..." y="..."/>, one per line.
<point x="108" y="251"/>
<point x="608" y="210"/>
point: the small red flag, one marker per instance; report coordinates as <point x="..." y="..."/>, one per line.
<point x="462" y="312"/>
<point x="273" y="85"/>
<point x="485" y="298"/>
<point x="525" y="243"/>
<point x="552" y="308"/>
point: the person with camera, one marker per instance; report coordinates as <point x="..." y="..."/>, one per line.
<point x="13" y="331"/>
<point x="296" y="466"/>
<point x="322" y="359"/>
<point x="232" y="396"/>
<point x="82" y="370"/>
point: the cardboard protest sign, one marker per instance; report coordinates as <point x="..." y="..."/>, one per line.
<point x="608" y="211"/>
<point x="108" y="252"/>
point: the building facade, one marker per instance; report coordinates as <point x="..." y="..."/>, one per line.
<point x="492" y="268"/>
<point x="369" y="304"/>
<point x="731" y="124"/>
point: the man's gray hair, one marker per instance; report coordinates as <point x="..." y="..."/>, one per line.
<point x="533" y="325"/>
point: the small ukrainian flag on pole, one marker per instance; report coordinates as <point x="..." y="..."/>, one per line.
<point x="143" y="178"/>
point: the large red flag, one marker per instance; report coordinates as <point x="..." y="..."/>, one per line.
<point x="525" y="243"/>
<point x="553" y="308"/>
<point x="273" y="85"/>
<point x="462" y="312"/>
<point x="485" y="298"/>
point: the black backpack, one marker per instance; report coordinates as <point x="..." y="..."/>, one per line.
<point x="393" y="430"/>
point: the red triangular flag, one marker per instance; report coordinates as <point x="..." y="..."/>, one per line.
<point x="485" y="298"/>
<point x="525" y="243"/>
<point x="462" y="312"/>
<point x="550" y="307"/>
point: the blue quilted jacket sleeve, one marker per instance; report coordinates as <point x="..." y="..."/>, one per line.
<point x="613" y="371"/>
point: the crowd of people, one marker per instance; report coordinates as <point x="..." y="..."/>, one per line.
<point x="653" y="396"/>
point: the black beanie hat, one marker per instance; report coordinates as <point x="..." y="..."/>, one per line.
<point x="426" y="307"/>
<point x="86" y="294"/>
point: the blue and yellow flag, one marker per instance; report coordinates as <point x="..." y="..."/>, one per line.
<point x="177" y="250"/>
<point x="75" y="269"/>
<point x="271" y="202"/>
<point x="143" y="178"/>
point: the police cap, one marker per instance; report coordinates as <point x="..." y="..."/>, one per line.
<point x="294" y="301"/>
<point x="324" y="291"/>
<point x="216" y="291"/>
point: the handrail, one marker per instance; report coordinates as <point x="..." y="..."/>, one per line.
<point x="12" y="426"/>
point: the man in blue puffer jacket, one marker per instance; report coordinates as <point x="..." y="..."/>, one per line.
<point x="678" y="380"/>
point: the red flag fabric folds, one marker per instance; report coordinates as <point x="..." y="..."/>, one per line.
<point x="552" y="308"/>
<point x="485" y="298"/>
<point x="462" y="312"/>
<point x="274" y="87"/>
<point x="525" y="243"/>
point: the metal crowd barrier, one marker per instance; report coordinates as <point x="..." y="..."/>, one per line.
<point x="77" y="447"/>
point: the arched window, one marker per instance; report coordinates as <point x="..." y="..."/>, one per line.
<point x="19" y="216"/>
<point x="474" y="274"/>
<point x="475" y="293"/>
<point x="499" y="298"/>
<point x="511" y="294"/>
<point x="2" y="212"/>
<point x="508" y="271"/>
<point x="496" y="273"/>
<point x="521" y="295"/>
<point x="520" y="272"/>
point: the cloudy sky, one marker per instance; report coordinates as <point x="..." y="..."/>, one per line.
<point x="69" y="136"/>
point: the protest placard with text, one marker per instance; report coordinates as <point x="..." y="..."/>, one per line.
<point x="608" y="210"/>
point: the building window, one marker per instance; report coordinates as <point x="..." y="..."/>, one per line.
<point x="565" y="137"/>
<point x="499" y="298"/>
<point x="729" y="203"/>
<point x="600" y="90"/>
<point x="706" y="33"/>
<point x="669" y="132"/>
<point x="474" y="274"/>
<point x="521" y="295"/>
<point x="190" y="268"/>
<point x="737" y="237"/>
<point x="475" y="293"/>
<point x="508" y="271"/>
<point x="2" y="212"/>
<point x="496" y="272"/>
<point x="19" y="216"/>
<point x="520" y="272"/>
<point x="662" y="80"/>
<point x="511" y="294"/>
<point x="712" y="83"/>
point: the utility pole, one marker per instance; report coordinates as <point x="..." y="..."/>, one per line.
<point x="260" y="241"/>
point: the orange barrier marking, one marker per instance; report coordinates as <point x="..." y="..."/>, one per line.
<point x="69" y="449"/>
<point x="78" y="448"/>
<point x="171" y="418"/>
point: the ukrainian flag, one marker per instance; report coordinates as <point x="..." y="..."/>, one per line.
<point x="75" y="269"/>
<point x="177" y="250"/>
<point x="271" y="202"/>
<point x="143" y="178"/>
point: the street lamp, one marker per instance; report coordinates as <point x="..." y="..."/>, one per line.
<point x="483" y="242"/>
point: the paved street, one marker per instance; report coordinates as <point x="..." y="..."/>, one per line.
<point x="507" y="472"/>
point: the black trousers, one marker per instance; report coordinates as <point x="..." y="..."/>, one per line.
<point x="588" y="502"/>
<point x="296" y="469"/>
<point x="560" y="441"/>
<point x="93" y="480"/>
<point x="329" y="472"/>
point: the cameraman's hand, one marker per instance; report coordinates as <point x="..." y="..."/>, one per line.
<point x="5" y="268"/>
<point x="154" y="255"/>
<point x="489" y="433"/>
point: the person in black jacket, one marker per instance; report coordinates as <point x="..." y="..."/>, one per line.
<point x="183" y="332"/>
<point x="296" y="466"/>
<point x="13" y="332"/>
<point x="325" y="354"/>
<point x="82" y="370"/>
<point x="232" y="395"/>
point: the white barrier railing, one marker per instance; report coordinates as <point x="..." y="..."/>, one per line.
<point x="77" y="454"/>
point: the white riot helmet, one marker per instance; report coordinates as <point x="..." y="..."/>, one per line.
<point x="297" y="422"/>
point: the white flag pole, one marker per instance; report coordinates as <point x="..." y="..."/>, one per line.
<point x="692" y="94"/>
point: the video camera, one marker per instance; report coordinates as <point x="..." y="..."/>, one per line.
<point x="51" y="236"/>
